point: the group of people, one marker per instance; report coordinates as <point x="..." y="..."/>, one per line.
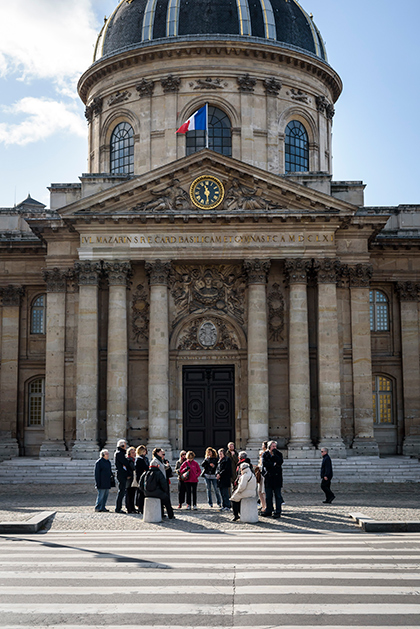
<point x="228" y="475"/>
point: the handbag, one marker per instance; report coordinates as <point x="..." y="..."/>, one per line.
<point x="185" y="475"/>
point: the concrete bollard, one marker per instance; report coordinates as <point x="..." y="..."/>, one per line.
<point x="152" y="510"/>
<point x="249" y="510"/>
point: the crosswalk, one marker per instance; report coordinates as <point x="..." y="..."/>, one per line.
<point x="174" y="579"/>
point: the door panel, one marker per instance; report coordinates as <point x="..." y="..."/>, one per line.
<point x="208" y="407"/>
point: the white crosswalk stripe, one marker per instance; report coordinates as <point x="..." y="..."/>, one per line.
<point x="173" y="580"/>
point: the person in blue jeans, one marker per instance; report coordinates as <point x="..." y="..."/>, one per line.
<point x="103" y="473"/>
<point x="272" y="461"/>
<point x="209" y="466"/>
<point x="224" y="478"/>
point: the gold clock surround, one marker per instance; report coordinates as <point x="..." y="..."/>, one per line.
<point x="197" y="184"/>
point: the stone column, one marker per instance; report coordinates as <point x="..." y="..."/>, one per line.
<point x="53" y="445"/>
<point x="300" y="444"/>
<point x="329" y="389"/>
<point x="409" y="297"/>
<point x="158" y="272"/>
<point x="258" y="401"/>
<point x="117" y="360"/>
<point x="9" y="374"/>
<point x="86" y="445"/>
<point x="364" y="443"/>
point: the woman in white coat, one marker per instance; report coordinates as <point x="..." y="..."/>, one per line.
<point x="247" y="488"/>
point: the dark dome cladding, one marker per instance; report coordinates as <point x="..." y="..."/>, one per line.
<point x="144" y="21"/>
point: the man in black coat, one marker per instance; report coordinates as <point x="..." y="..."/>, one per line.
<point x="154" y="485"/>
<point x="123" y="473"/>
<point x="326" y="476"/>
<point x="103" y="473"/>
<point x="224" y="478"/>
<point x="272" y="461"/>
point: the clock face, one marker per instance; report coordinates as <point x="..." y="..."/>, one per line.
<point x="206" y="192"/>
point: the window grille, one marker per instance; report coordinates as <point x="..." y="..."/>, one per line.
<point x="220" y="134"/>
<point x="38" y="315"/>
<point x="122" y="149"/>
<point x="379" y="311"/>
<point x="382" y="400"/>
<point x="36" y="408"/>
<point x="296" y="148"/>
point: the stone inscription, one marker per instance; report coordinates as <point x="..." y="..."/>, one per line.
<point x="152" y="240"/>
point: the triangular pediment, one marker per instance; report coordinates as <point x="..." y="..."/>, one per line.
<point x="247" y="190"/>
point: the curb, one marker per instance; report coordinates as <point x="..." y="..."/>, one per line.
<point x="33" y="525"/>
<point x="385" y="526"/>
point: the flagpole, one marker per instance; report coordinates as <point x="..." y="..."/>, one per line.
<point x="207" y="125"/>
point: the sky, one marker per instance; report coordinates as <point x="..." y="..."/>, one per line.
<point x="374" y="45"/>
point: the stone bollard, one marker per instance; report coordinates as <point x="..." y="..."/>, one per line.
<point x="152" y="510"/>
<point x="249" y="510"/>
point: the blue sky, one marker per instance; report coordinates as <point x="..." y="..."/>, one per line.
<point x="373" y="44"/>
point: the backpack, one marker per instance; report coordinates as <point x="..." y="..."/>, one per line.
<point x="148" y="482"/>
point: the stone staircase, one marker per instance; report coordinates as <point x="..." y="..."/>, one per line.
<point x="65" y="471"/>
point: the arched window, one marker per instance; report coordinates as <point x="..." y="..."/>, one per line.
<point x="36" y="398"/>
<point x="220" y="134"/>
<point x="379" y="311"/>
<point x="122" y="150"/>
<point x="296" y="148"/>
<point x="38" y="315"/>
<point x="382" y="400"/>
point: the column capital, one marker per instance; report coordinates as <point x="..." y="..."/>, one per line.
<point x="327" y="270"/>
<point x="257" y="270"/>
<point x="56" y="279"/>
<point x="158" y="271"/>
<point x="408" y="291"/>
<point x="297" y="270"/>
<point x="12" y="295"/>
<point x="88" y="272"/>
<point x="118" y="272"/>
<point x="360" y="275"/>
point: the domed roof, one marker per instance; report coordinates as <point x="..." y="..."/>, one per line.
<point x="136" y="23"/>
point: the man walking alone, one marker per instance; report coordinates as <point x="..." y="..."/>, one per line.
<point x="326" y="476"/>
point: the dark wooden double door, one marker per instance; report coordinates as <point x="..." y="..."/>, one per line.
<point x="208" y="407"/>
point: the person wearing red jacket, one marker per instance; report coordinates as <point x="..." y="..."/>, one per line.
<point x="190" y="473"/>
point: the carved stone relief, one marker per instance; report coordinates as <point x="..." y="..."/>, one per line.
<point x="297" y="270"/>
<point x="272" y="86"/>
<point x="88" y="273"/>
<point x="56" y="280"/>
<point x="202" y="288"/>
<point x="324" y="106"/>
<point x="208" y="84"/>
<point x="170" y="199"/>
<point x="171" y="83"/>
<point x="145" y="88"/>
<point x="12" y="295"/>
<point x="118" y="272"/>
<point x="408" y="291"/>
<point x="94" y="109"/>
<point x="207" y="334"/>
<point x="118" y="97"/>
<point x="246" y="83"/>
<point x="360" y="275"/>
<point x="327" y="270"/>
<point x="140" y="308"/>
<point x="275" y="313"/>
<point x="241" y="197"/>
<point x="299" y="96"/>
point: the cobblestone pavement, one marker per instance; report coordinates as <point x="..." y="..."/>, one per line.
<point x="303" y="511"/>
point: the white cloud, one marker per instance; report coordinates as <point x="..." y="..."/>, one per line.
<point x="46" y="39"/>
<point x="43" y="119"/>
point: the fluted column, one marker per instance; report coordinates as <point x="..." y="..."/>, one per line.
<point x="158" y="272"/>
<point x="408" y="293"/>
<point x="117" y="360"/>
<point x="364" y="442"/>
<point x="86" y="445"/>
<point x="329" y="388"/>
<point x="258" y="401"/>
<point x="9" y="373"/>
<point x="53" y="444"/>
<point x="300" y="444"/>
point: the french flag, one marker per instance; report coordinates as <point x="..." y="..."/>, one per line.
<point x="196" y="122"/>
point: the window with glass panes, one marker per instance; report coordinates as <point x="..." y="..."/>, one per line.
<point x="36" y="402"/>
<point x="382" y="400"/>
<point x="220" y="134"/>
<point x="296" y="148"/>
<point x="379" y="311"/>
<point x="38" y="315"/>
<point x="122" y="150"/>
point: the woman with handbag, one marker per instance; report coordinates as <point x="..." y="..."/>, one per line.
<point x="181" y="484"/>
<point x="209" y="466"/>
<point x="131" y="485"/>
<point x="190" y="473"/>
<point x="260" y="477"/>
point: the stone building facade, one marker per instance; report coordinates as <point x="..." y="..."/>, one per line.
<point x="134" y="308"/>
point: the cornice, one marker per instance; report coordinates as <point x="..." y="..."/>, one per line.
<point x="223" y="47"/>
